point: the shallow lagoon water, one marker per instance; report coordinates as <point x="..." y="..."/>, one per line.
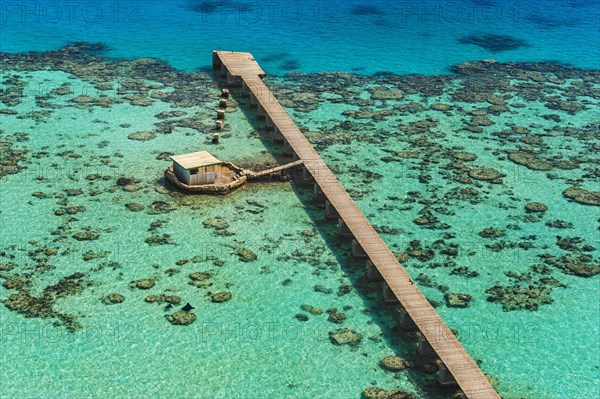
<point x="251" y="342"/>
<point x="515" y="346"/>
<point x="254" y="342"/>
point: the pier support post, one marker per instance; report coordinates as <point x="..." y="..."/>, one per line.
<point x="403" y="321"/>
<point x="223" y="103"/>
<point x="261" y="111"/>
<point x="233" y="81"/>
<point x="216" y="60"/>
<point x="220" y="114"/>
<point x="225" y="93"/>
<point x="269" y="122"/>
<point x="306" y="176"/>
<point x="287" y="149"/>
<point x="219" y="124"/>
<point x="388" y="296"/>
<point x="371" y="272"/>
<point x="425" y="351"/>
<point x="318" y="194"/>
<point x="277" y="137"/>
<point x="357" y="251"/>
<point x="330" y="211"/>
<point x="343" y="229"/>
<point x="444" y="377"/>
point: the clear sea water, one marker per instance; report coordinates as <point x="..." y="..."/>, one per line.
<point x="253" y="346"/>
<point x="398" y="36"/>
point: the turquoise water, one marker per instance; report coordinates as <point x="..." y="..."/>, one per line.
<point x="413" y="166"/>
<point x="517" y="344"/>
<point x="312" y="35"/>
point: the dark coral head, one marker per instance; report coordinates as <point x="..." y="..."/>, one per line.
<point x="493" y="42"/>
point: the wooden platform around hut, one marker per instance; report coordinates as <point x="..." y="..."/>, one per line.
<point x="230" y="178"/>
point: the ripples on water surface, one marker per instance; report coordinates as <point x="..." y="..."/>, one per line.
<point x="483" y="180"/>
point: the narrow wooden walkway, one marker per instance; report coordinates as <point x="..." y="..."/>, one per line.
<point x="240" y="69"/>
<point x="251" y="174"/>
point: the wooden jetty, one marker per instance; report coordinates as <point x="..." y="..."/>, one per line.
<point x="230" y="177"/>
<point x="251" y="174"/>
<point x="456" y="366"/>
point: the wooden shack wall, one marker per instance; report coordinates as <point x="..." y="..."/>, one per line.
<point x="182" y="174"/>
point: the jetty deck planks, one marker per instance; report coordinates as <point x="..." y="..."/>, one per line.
<point x="242" y="69"/>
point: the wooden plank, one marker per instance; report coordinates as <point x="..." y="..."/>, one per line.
<point x="264" y="172"/>
<point x="465" y="371"/>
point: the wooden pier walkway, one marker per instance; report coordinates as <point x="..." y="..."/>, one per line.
<point x="251" y="174"/>
<point x="240" y="69"/>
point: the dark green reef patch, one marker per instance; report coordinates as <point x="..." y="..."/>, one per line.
<point x="404" y="121"/>
<point x="409" y="125"/>
<point x="493" y="42"/>
<point x="42" y="306"/>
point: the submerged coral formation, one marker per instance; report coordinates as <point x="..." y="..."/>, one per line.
<point x="42" y="306"/>
<point x="469" y="175"/>
<point x="494" y="43"/>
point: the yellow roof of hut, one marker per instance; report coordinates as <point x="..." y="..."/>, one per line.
<point x="194" y="160"/>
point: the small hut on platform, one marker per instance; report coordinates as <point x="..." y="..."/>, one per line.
<point x="196" y="168"/>
<point x="201" y="172"/>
